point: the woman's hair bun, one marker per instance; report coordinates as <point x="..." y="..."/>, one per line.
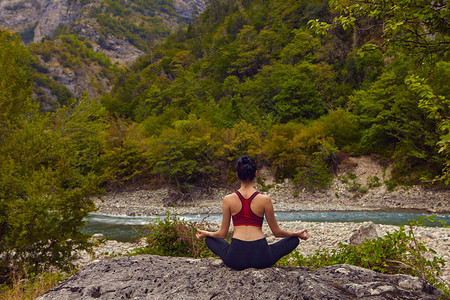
<point x="246" y="168"/>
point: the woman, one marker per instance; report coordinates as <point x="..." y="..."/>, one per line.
<point x="247" y="208"/>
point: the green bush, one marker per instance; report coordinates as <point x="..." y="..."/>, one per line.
<point x="49" y="168"/>
<point x="172" y="236"/>
<point x="125" y="152"/>
<point x="313" y="176"/>
<point x="390" y="185"/>
<point x="373" y="181"/>
<point x="397" y="252"/>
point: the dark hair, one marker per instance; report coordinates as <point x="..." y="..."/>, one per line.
<point x="246" y="168"/>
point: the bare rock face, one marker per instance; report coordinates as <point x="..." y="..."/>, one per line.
<point x="367" y="231"/>
<point x="156" y="277"/>
<point x="37" y="19"/>
<point x="43" y="15"/>
<point x="189" y="9"/>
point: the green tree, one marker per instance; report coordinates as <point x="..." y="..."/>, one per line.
<point x="421" y="29"/>
<point x="438" y="108"/>
<point x="298" y="99"/>
<point x="50" y="166"/>
<point x="393" y="125"/>
<point x="342" y="127"/>
<point x="283" y="156"/>
<point x="242" y="139"/>
<point x="302" y="47"/>
<point x="125" y="155"/>
<point x="285" y="93"/>
<point x="186" y="152"/>
<point x="15" y="81"/>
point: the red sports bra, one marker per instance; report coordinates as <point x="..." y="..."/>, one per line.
<point x="246" y="216"/>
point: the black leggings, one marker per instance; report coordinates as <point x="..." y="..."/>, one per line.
<point x="258" y="254"/>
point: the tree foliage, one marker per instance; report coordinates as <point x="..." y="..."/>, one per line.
<point x="420" y="31"/>
<point x="438" y="108"/>
<point x="420" y="28"/>
<point x="15" y="81"/>
<point x="50" y="165"/>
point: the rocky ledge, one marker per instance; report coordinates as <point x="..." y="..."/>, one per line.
<point x="322" y="236"/>
<point x="156" y="277"/>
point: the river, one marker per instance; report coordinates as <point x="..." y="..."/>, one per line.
<point x="126" y="228"/>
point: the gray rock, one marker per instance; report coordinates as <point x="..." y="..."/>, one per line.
<point x="367" y="231"/>
<point x="43" y="15"/>
<point x="189" y="9"/>
<point x="97" y="236"/>
<point x="156" y="277"/>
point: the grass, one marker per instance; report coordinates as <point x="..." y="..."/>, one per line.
<point x="32" y="288"/>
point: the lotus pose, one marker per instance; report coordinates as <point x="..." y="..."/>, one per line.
<point x="247" y="207"/>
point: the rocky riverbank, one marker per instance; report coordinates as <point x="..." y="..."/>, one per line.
<point x="322" y="235"/>
<point x="361" y="184"/>
<point x="361" y="191"/>
<point x="284" y="197"/>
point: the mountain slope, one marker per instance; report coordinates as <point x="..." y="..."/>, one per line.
<point x="69" y="38"/>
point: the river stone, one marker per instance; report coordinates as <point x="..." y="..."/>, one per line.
<point x="157" y="277"/>
<point x="367" y="231"/>
<point x="98" y="236"/>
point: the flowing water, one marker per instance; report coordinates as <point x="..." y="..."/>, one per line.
<point x="126" y="228"/>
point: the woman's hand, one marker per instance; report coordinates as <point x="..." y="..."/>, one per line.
<point x="201" y="234"/>
<point x="303" y="234"/>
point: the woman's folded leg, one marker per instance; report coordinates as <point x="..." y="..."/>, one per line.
<point x="283" y="247"/>
<point x="218" y="246"/>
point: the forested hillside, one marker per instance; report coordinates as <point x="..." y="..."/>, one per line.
<point x="252" y="77"/>
<point x="244" y="77"/>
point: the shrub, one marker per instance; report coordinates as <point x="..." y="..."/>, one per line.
<point x="313" y="176"/>
<point x="397" y="252"/>
<point x="390" y="185"/>
<point x="373" y="181"/>
<point x="173" y="236"/>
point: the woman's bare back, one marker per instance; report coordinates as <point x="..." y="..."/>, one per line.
<point x="246" y="232"/>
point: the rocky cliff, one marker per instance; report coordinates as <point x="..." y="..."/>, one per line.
<point x="155" y="277"/>
<point x="189" y="9"/>
<point x="40" y="16"/>
<point x="37" y="20"/>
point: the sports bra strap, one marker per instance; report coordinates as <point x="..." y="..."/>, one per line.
<point x="246" y="216"/>
<point x="241" y="197"/>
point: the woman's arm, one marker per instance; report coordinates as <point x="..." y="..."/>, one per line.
<point x="223" y="231"/>
<point x="273" y="224"/>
